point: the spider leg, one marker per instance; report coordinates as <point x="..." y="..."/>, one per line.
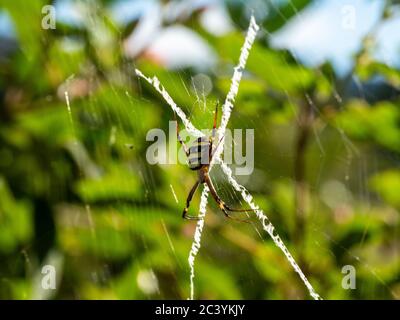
<point x="214" y="131"/>
<point x="179" y="137"/>
<point x="224" y="208"/>
<point x="238" y="210"/>
<point x="215" y="121"/>
<point x="189" y="198"/>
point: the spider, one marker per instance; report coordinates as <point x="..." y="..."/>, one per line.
<point x="199" y="158"/>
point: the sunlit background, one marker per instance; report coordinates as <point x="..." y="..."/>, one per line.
<point x="321" y="91"/>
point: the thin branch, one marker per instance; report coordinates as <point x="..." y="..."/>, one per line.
<point x="304" y="126"/>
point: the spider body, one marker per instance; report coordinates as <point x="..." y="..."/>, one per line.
<point x="199" y="154"/>
<point x="199" y="157"/>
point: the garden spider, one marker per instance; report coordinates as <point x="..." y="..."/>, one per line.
<point x="199" y="158"/>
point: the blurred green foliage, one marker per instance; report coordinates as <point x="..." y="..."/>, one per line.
<point x="75" y="180"/>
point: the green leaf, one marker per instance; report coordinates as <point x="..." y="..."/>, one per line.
<point x="387" y="185"/>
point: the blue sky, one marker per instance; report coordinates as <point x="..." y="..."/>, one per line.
<point x="322" y="32"/>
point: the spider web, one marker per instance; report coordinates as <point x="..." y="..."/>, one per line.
<point x="351" y="153"/>
<point x="227" y="109"/>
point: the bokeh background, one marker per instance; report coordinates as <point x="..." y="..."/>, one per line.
<point x="321" y="91"/>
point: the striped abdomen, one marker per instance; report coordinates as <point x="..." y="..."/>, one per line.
<point x="199" y="154"/>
